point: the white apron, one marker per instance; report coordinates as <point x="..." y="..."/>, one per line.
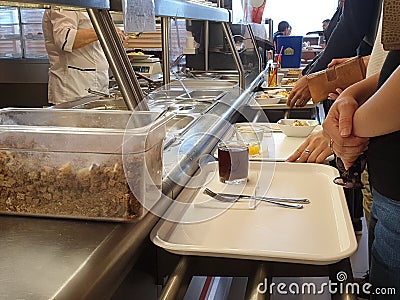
<point x="72" y="72"/>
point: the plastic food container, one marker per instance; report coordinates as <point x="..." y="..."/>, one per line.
<point x="86" y="164"/>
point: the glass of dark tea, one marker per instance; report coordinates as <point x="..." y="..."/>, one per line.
<point x="233" y="162"/>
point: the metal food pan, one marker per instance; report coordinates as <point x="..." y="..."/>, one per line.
<point x="179" y="123"/>
<point x="165" y="94"/>
<point x="196" y="84"/>
<point x="103" y="104"/>
<point x="210" y="95"/>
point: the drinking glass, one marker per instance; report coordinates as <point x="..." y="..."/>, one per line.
<point x="252" y="136"/>
<point x="233" y="162"/>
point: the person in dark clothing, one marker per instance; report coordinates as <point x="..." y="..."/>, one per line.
<point x="327" y="33"/>
<point x="328" y="26"/>
<point x="325" y="23"/>
<point x="284" y="28"/>
<point x="333" y="21"/>
<point x="353" y="35"/>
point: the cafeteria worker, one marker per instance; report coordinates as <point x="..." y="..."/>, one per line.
<point x="77" y="61"/>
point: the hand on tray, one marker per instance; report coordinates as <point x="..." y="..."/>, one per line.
<point x="315" y="149"/>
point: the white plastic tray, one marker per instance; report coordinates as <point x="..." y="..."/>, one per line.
<point x="255" y="105"/>
<point x="320" y="233"/>
<point x="276" y="146"/>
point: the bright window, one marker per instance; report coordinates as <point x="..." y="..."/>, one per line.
<point x="303" y="16"/>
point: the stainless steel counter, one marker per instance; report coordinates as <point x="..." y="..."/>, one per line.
<point x="69" y="259"/>
<point x="39" y="256"/>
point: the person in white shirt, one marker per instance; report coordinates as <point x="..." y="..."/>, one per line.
<point x="77" y="61"/>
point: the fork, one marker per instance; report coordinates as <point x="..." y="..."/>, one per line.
<point x="234" y="198"/>
<point x="262" y="198"/>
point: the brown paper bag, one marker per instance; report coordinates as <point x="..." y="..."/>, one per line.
<point x="339" y="76"/>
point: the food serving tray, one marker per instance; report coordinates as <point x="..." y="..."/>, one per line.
<point x="320" y="233"/>
<point x="276" y="146"/>
<point x="256" y="105"/>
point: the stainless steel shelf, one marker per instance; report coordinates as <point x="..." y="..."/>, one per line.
<point x="163" y="8"/>
<point x="187" y="10"/>
<point x="183" y="9"/>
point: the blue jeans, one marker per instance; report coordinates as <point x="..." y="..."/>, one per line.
<point x="384" y="238"/>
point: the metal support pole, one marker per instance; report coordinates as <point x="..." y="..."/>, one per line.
<point x="177" y="33"/>
<point x="270" y="23"/>
<point x="258" y="282"/>
<point x="253" y="39"/>
<point x="178" y="281"/>
<point x="117" y="59"/>
<point x="235" y="53"/>
<point x="342" y="267"/>
<point x="165" y="28"/>
<point x="206" y="44"/>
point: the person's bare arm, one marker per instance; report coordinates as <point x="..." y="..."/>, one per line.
<point x="84" y="37"/>
<point x="337" y="61"/>
<point x="338" y="125"/>
<point x="380" y="114"/>
<point x="362" y="90"/>
<point x="67" y="36"/>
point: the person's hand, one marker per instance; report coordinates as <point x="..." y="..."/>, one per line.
<point x="333" y="96"/>
<point x="337" y="61"/>
<point x="315" y="149"/>
<point x="122" y="35"/>
<point x="300" y="93"/>
<point x="338" y="128"/>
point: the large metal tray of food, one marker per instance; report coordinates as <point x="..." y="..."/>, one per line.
<point x="85" y="164"/>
